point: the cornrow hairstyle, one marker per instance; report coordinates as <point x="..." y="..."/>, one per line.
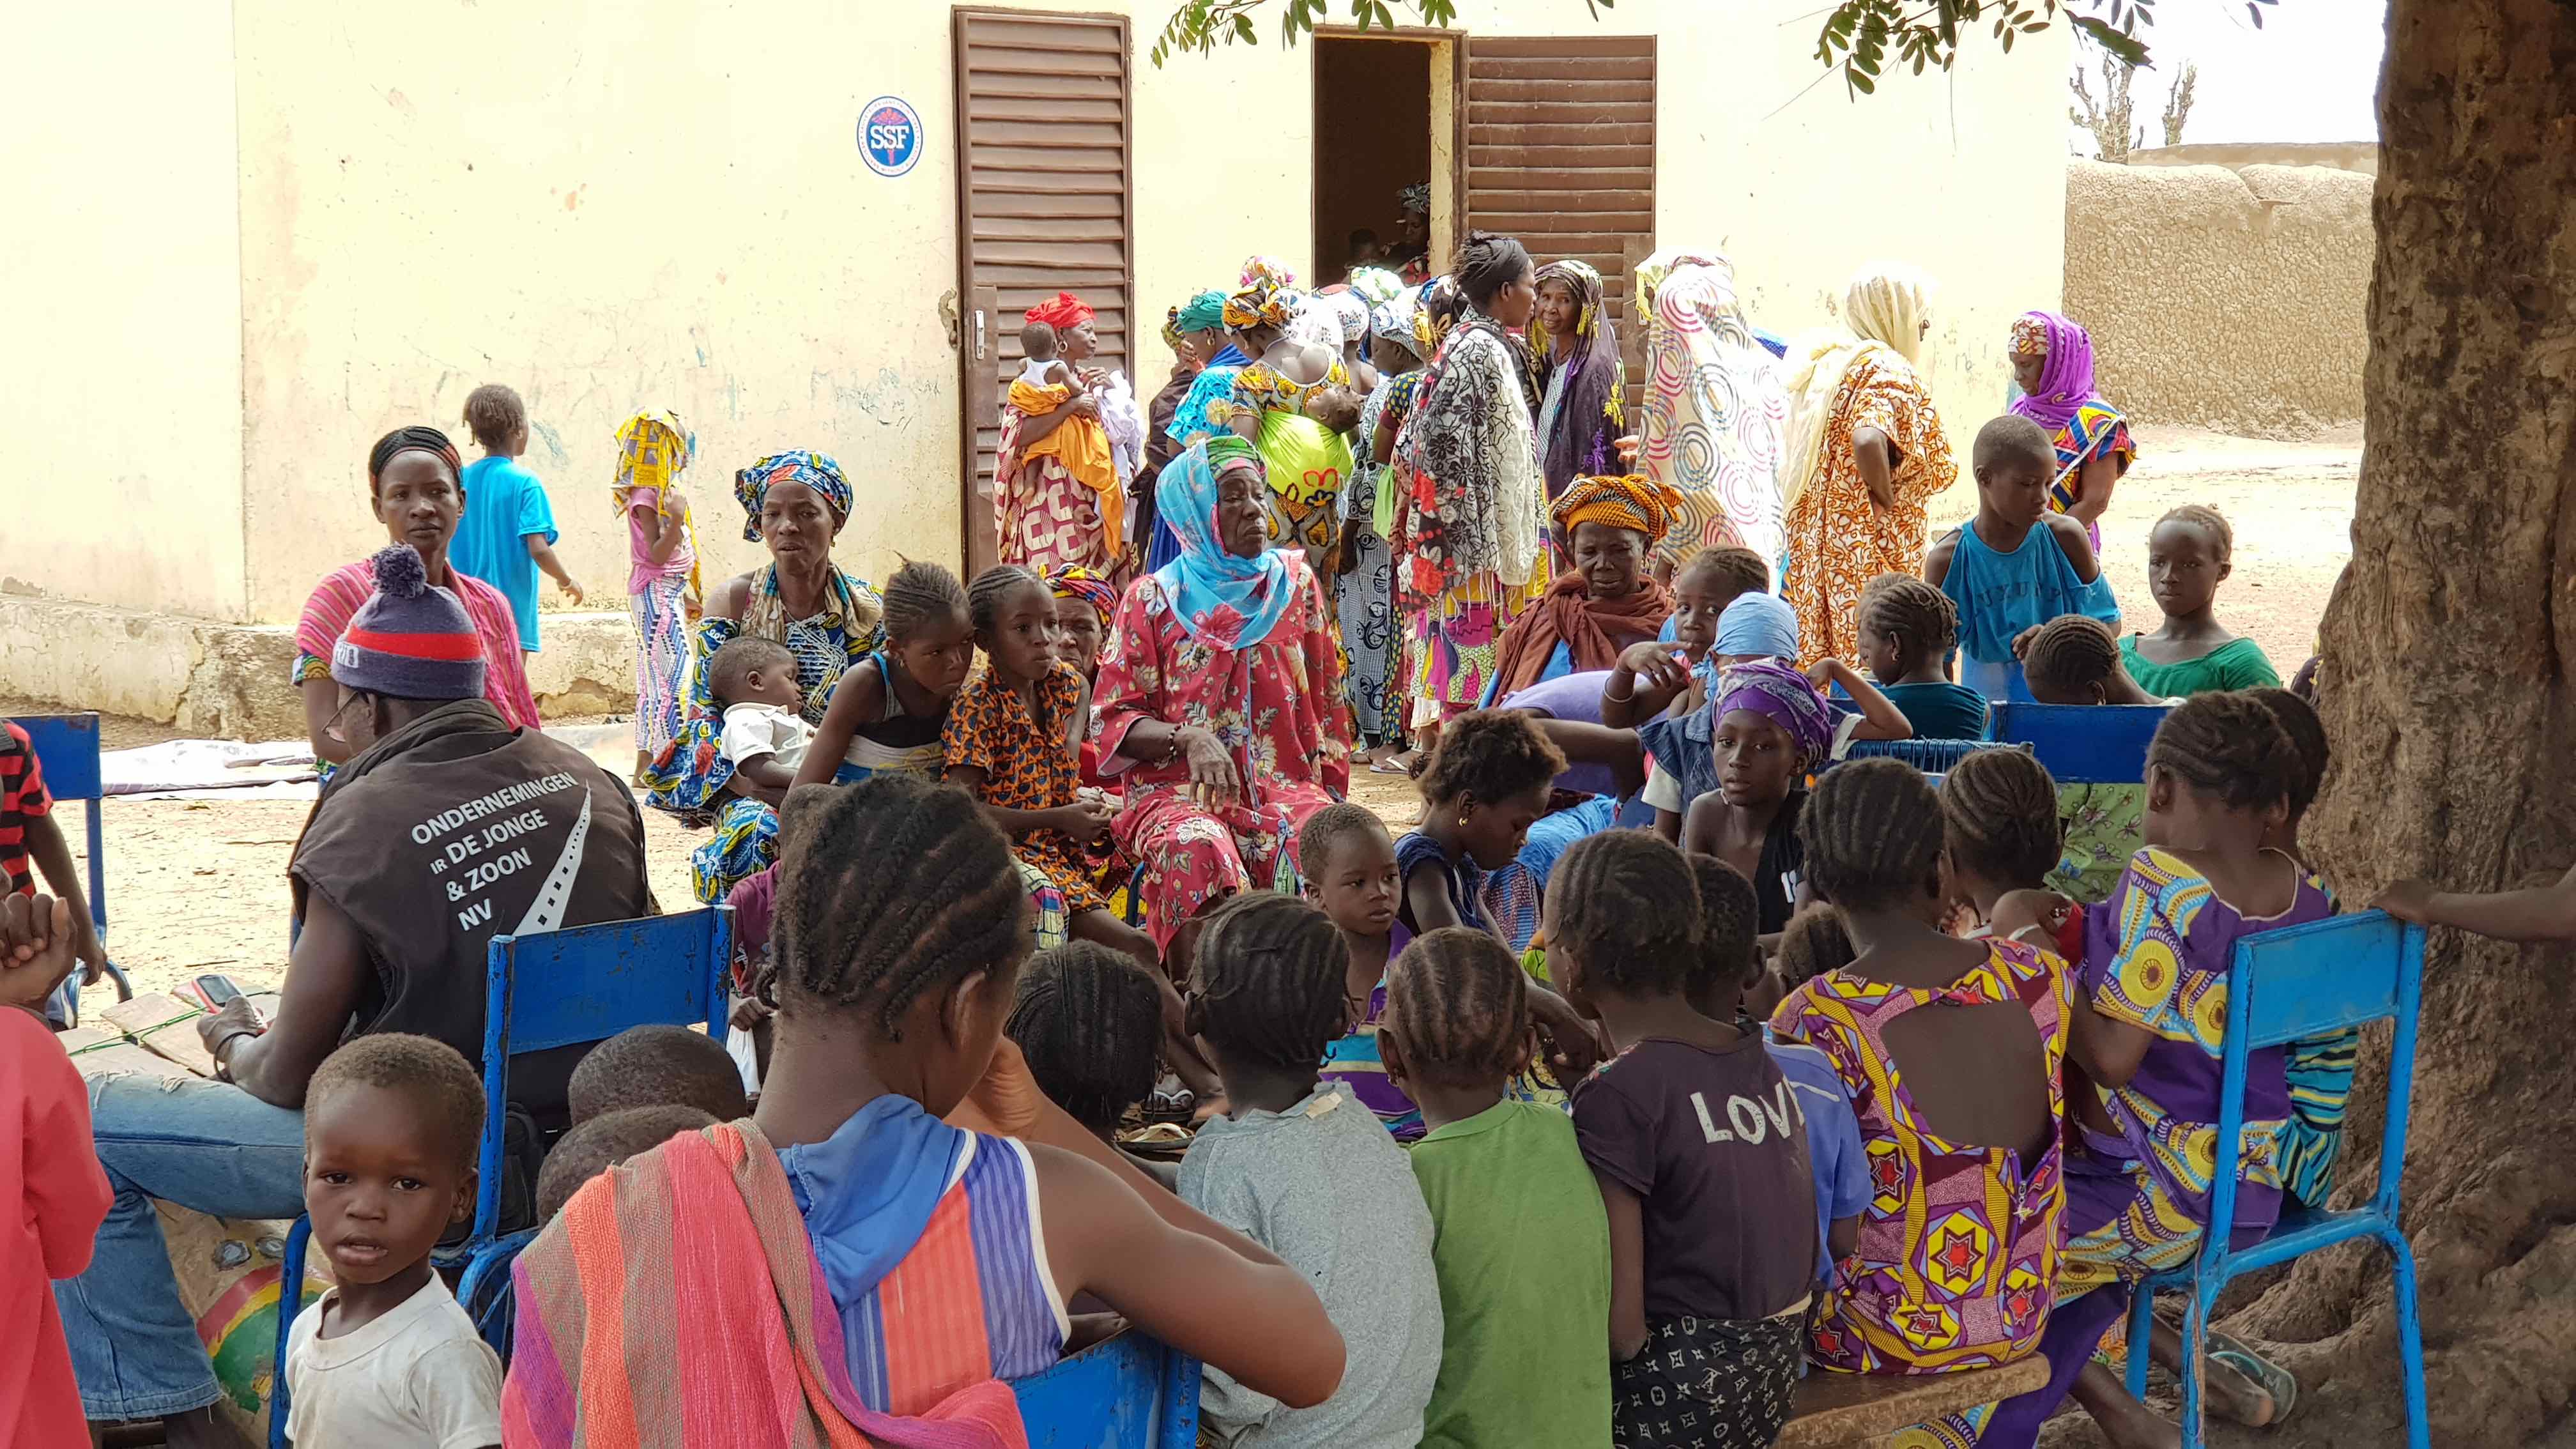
<point x="407" y="440"/>
<point x="1462" y="1003"/>
<point x="984" y="596"/>
<point x="657" y="1066"/>
<point x="2231" y="746"/>
<point x="1729" y="921"/>
<point x="2201" y="515"/>
<point x="434" y="1080"/>
<point x="2013" y="438"/>
<point x="1326" y="829"/>
<point x="1737" y="568"/>
<point x="895" y="888"/>
<point x="1090" y="1022"/>
<point x="1919" y="616"/>
<point x="1615" y="895"/>
<point x="1999" y="813"/>
<point x="1493" y="754"/>
<point x="2299" y="720"/>
<point x="494" y="412"/>
<point x="2071" y="651"/>
<point x="1488" y="263"/>
<point x="1813" y="943"/>
<point x="1872" y="830"/>
<point x="920" y="594"/>
<point x="731" y="665"/>
<point x="1270" y="971"/>
<point x="594" y="1146"/>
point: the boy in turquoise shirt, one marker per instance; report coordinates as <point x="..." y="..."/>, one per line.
<point x="507" y="531"/>
<point x="1525" y="1353"/>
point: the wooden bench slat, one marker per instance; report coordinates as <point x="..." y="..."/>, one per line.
<point x="1844" y="1411"/>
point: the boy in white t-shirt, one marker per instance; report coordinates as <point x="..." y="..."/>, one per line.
<point x="386" y="1358"/>
<point x="765" y="732"/>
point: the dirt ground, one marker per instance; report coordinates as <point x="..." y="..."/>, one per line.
<point x="199" y="886"/>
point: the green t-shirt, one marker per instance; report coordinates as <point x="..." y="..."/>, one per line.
<point x="1522" y="1248"/>
<point x="2236" y="664"/>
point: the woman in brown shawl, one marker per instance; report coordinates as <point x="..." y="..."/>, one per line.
<point x="1606" y="601"/>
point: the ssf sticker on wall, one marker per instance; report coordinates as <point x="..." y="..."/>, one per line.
<point x="889" y="136"/>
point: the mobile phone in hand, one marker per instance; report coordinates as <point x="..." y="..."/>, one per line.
<point x="214" y="989"/>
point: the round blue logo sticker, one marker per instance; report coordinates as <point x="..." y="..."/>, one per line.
<point x="889" y="136"/>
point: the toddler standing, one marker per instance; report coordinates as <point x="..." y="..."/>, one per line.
<point x="507" y="531"/>
<point x="653" y="450"/>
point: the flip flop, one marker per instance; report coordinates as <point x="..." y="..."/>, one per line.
<point x="2276" y="1382"/>
<point x="1391" y="765"/>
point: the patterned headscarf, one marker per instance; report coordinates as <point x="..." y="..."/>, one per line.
<point x="1223" y="600"/>
<point x="653" y="450"/>
<point x="2066" y="380"/>
<point x="1278" y="273"/>
<point x="1400" y="321"/>
<point x="1783" y="695"/>
<point x="818" y="471"/>
<point x="1262" y="303"/>
<point x="1348" y="310"/>
<point x="1652" y="271"/>
<point x="1635" y="502"/>
<point x="1884" y="309"/>
<point x="1595" y="391"/>
<point x="1204" y="312"/>
<point x="1714" y="409"/>
<point x="1376" y="285"/>
<point x="1063" y="312"/>
<point x="1073" y="581"/>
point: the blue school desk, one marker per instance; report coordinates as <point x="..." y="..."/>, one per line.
<point x="2304" y="981"/>
<point x="554" y="989"/>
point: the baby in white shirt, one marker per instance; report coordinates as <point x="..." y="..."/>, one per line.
<point x="765" y="730"/>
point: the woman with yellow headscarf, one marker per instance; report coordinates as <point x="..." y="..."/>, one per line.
<point x="1605" y="600"/>
<point x="1866" y="454"/>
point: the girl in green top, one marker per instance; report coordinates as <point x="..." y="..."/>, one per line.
<point x="2188" y="554"/>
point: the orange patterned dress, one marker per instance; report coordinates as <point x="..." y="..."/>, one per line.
<point x="1838" y="538"/>
<point x="1028" y="764"/>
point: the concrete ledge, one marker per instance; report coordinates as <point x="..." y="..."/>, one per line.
<point x="217" y="680"/>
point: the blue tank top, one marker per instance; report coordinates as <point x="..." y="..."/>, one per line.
<point x="2000" y="594"/>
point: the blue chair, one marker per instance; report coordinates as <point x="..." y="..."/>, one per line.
<point x="1130" y="1392"/>
<point x="2304" y="981"/>
<point x="67" y="751"/>
<point x="2083" y="744"/>
<point x="1999" y="683"/>
<point x="1932" y="757"/>
<point x="585" y="983"/>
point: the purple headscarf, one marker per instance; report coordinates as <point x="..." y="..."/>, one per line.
<point x="2066" y="378"/>
<point x="1785" y="697"/>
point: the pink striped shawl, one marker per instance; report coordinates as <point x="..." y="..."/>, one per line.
<point x="338" y="597"/>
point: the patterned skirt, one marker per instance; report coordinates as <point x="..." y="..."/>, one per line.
<point x="1367" y="610"/>
<point x="1451" y="647"/>
<point x="663" y="657"/>
<point x="1708" y="1383"/>
<point x="1049" y="519"/>
<point x="745" y="844"/>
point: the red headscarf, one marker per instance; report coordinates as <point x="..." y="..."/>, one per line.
<point x="1063" y="312"/>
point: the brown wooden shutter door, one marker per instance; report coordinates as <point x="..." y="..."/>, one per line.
<point x="1561" y="154"/>
<point x="1043" y="206"/>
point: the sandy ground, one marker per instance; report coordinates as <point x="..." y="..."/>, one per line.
<point x="201" y="885"/>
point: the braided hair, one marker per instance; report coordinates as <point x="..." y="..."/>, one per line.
<point x="1614" y="895"/>
<point x="1270" y="971"/>
<point x="1906" y="609"/>
<point x="1462" y="1005"/>
<point x="1090" y="1022"/>
<point x="1488" y="263"/>
<point x="1814" y="942"/>
<point x="1729" y="919"/>
<point x="408" y="440"/>
<point x="2299" y="720"/>
<point x="920" y="594"/>
<point x="1872" y="834"/>
<point x="984" y="596"/>
<point x="2202" y="516"/>
<point x="2070" y="652"/>
<point x="2229" y="745"/>
<point x="494" y="412"/>
<point x="894" y="888"/>
<point x="1492" y="754"/>
<point x="1999" y="814"/>
<point x="1738" y="569"/>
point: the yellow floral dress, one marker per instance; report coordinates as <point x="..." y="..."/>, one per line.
<point x="1839" y="539"/>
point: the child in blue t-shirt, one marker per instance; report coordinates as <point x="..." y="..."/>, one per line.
<point x="1729" y="961"/>
<point x="2016" y="565"/>
<point x="507" y="531"/>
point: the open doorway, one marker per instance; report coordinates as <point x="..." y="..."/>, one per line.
<point x="1381" y="106"/>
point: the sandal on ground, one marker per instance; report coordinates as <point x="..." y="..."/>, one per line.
<point x="2276" y="1382"/>
<point x="1396" y="764"/>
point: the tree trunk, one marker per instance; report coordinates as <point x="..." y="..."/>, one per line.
<point x="2446" y="691"/>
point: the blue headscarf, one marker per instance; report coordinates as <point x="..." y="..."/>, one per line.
<point x="1760" y="624"/>
<point x="818" y="471"/>
<point x="1225" y="601"/>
